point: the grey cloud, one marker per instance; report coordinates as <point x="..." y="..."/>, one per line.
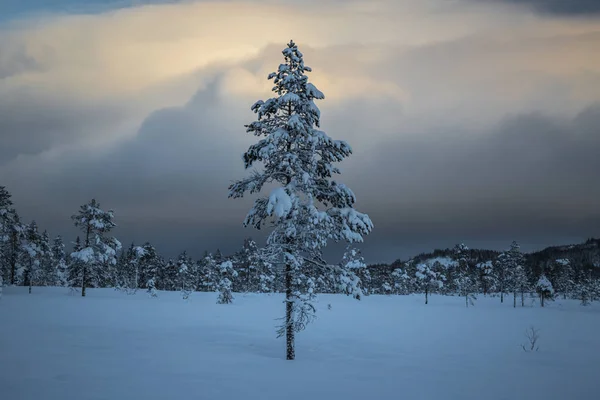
<point x="426" y="182"/>
<point x="33" y="122"/>
<point x="560" y="7"/>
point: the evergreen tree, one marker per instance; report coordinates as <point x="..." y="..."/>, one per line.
<point x="150" y="265"/>
<point x="11" y="237"/>
<point x="248" y="263"/>
<point x="429" y="278"/>
<point x="225" y="274"/>
<point x="402" y="281"/>
<point x="60" y="260"/>
<point x="464" y="282"/>
<point x="352" y="275"/>
<point x="517" y="276"/>
<point x="99" y="251"/>
<point x="75" y="267"/>
<point x="502" y="267"/>
<point x="33" y="256"/>
<point x="585" y="288"/>
<point x="168" y="277"/>
<point x="185" y="275"/>
<point x="207" y="273"/>
<point x="488" y="279"/>
<point x="544" y="289"/>
<point x="565" y="283"/>
<point x="6" y="221"/>
<point x="301" y="159"/>
<point x="49" y="273"/>
<point x="128" y="277"/>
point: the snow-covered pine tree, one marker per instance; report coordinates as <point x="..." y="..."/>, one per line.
<point x="168" y="276"/>
<point x="150" y="265"/>
<point x="185" y="275"/>
<point x="429" y="278"/>
<point x="207" y="273"/>
<point x="32" y="255"/>
<point x="75" y="267"/>
<point x="128" y="276"/>
<point x="502" y="267"/>
<point x="565" y="282"/>
<point x="544" y="289"/>
<point x="266" y="277"/>
<point x="402" y="280"/>
<point x="98" y="251"/>
<point x="353" y="275"/>
<point x="60" y="260"/>
<point x="463" y="280"/>
<point x="487" y="277"/>
<point x="517" y="276"/>
<point x="49" y="274"/>
<point x="300" y="158"/>
<point x="226" y="273"/>
<point x="248" y="265"/>
<point x="11" y="236"/>
<point x="584" y="288"/>
<point x="6" y="220"/>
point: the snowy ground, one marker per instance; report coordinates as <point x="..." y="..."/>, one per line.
<point x="113" y="346"/>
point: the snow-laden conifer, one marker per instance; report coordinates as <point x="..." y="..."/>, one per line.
<point x="565" y="283"/>
<point x="487" y="276"/>
<point x="307" y="207"/>
<point x="353" y="275"/>
<point x="225" y="275"/>
<point x="11" y="237"/>
<point x="98" y="250"/>
<point x="32" y="256"/>
<point x="429" y="277"/>
<point x="60" y="259"/>
<point x="465" y="283"/>
<point x="185" y="275"/>
<point x="544" y="289"/>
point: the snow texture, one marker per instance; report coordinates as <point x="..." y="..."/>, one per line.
<point x="58" y="347"/>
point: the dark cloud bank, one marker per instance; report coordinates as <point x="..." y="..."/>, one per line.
<point x="531" y="177"/>
<point x="559" y="7"/>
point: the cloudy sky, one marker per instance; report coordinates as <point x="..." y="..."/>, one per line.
<point x="474" y="121"/>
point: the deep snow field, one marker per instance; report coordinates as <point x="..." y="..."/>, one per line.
<point x="111" y="346"/>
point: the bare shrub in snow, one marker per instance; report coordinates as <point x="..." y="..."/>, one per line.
<point x="532" y="335"/>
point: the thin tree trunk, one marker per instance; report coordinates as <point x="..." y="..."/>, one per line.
<point x="426" y="295"/>
<point x="83" y="277"/>
<point x="522" y="298"/>
<point x="467" y="300"/>
<point x="514" y="299"/>
<point x="502" y="296"/>
<point x="289" y="309"/>
<point x="87" y="244"/>
<point x="542" y="298"/>
<point x="13" y="258"/>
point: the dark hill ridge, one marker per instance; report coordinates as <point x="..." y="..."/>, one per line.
<point x="584" y="258"/>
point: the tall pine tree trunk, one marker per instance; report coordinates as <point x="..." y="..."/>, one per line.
<point x="514" y="299"/>
<point x="542" y="298"/>
<point x="426" y="295"/>
<point x="289" y="309"/>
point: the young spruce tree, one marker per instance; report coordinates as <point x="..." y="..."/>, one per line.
<point x="307" y="207"/>
<point x="97" y="250"/>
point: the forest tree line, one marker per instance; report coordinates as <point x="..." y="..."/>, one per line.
<point x="30" y="257"/>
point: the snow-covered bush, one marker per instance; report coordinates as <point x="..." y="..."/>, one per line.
<point x="544" y="289"/>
